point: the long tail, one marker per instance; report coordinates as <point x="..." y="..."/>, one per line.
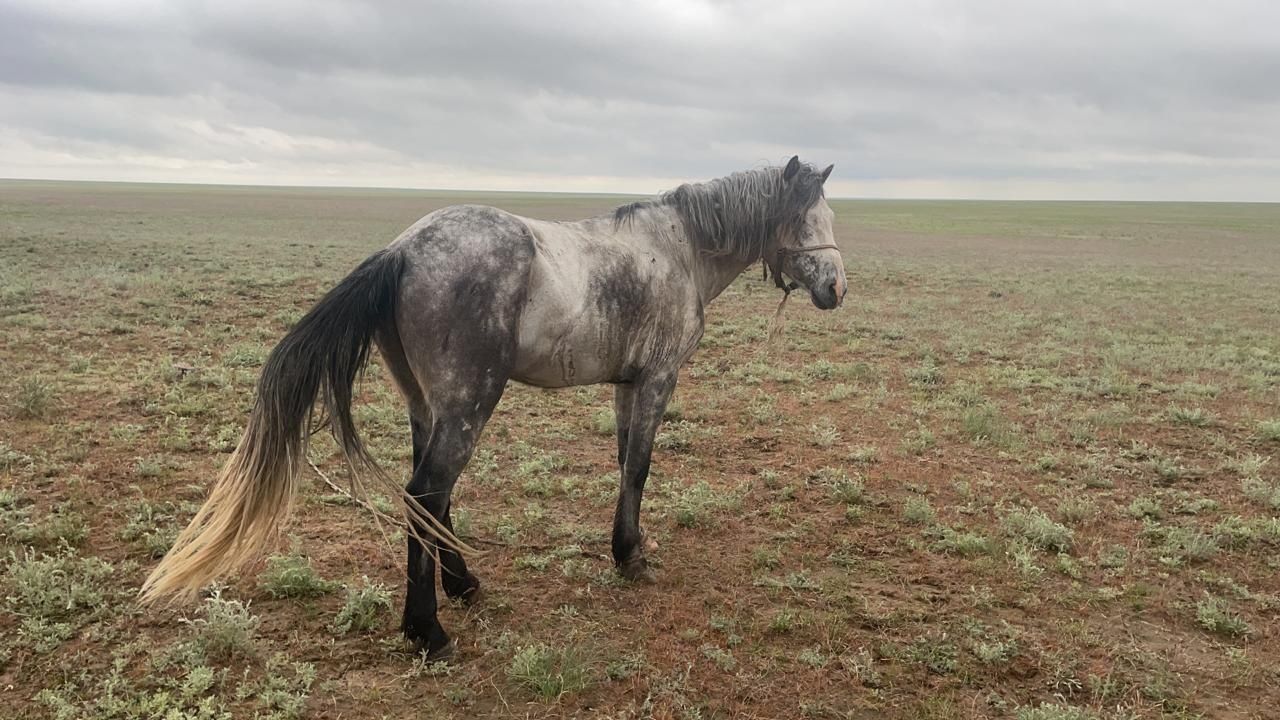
<point x="318" y="359"/>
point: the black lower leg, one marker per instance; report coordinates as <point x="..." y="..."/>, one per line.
<point x="420" y="624"/>
<point x="643" y="405"/>
<point x="628" y="548"/>
<point x="458" y="582"/>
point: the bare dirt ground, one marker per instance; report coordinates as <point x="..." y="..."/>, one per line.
<point x="1025" y="472"/>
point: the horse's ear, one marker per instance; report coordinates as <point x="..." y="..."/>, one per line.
<point x="827" y="173"/>
<point x="792" y="168"/>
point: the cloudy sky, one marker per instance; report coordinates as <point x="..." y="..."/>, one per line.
<point x="1167" y="99"/>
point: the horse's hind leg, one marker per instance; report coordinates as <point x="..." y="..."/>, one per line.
<point x="439" y="454"/>
<point x="458" y="582"/>
<point x="442" y="451"/>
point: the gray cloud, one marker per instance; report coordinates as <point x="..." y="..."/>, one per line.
<point x="1009" y="99"/>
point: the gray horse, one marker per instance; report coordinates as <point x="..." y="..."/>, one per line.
<point x="470" y="297"/>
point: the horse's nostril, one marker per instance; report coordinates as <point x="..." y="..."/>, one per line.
<point x="835" y="292"/>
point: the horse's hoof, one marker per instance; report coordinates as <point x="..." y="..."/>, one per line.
<point x="442" y="653"/>
<point x="435" y="644"/>
<point x="472" y="595"/>
<point x="467" y="590"/>
<point x="638" y="571"/>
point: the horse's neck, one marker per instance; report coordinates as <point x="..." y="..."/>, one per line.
<point x="714" y="273"/>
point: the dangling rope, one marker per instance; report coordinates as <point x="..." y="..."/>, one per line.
<point x="778" y="322"/>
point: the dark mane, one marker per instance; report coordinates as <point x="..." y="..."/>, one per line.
<point x="738" y="214"/>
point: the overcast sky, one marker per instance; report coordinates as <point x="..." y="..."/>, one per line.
<point x="1166" y="99"/>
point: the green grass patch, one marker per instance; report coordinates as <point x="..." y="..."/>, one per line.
<point x="550" y="672"/>
<point x="1038" y="529"/>
<point x="291" y="576"/>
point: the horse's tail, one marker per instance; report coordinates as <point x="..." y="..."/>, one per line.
<point x="318" y="359"/>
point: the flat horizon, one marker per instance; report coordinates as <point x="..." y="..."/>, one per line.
<point x="581" y="193"/>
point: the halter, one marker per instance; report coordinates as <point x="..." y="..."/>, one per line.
<point x="781" y="251"/>
<point x="807" y="248"/>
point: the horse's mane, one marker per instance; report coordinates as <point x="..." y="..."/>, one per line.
<point x="738" y="214"/>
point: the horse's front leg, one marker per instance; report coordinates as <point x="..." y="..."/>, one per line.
<point x="645" y="401"/>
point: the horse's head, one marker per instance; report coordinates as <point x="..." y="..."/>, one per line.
<point x="805" y="250"/>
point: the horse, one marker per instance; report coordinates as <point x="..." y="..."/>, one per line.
<point x="470" y="297"/>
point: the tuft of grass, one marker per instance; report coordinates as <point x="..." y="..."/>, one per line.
<point x="844" y="489"/>
<point x="783" y="621"/>
<point x="864" y="455"/>
<point x="918" y="511"/>
<point x="1075" y="510"/>
<point x="63" y="526"/>
<point x="1193" y="417"/>
<point x="190" y="695"/>
<point x="151" y="467"/>
<point x="1235" y="532"/>
<point x="1024" y="561"/>
<point x="603" y="422"/>
<point x="926" y="376"/>
<point x="1146" y="507"/>
<point x="153" y="525"/>
<point x="862" y="665"/>
<point x="283" y="692"/>
<point x="839" y="393"/>
<point x="676" y="436"/>
<point x="1261" y="492"/>
<point x="1269" y="430"/>
<point x="34" y="398"/>
<point x="291" y="576"/>
<point x="813" y="657"/>
<point x="54" y="594"/>
<point x="698" y="503"/>
<point x="1184" y="544"/>
<point x="245" y="356"/>
<point x="964" y="544"/>
<point x="823" y="435"/>
<point x="1113" y="557"/>
<point x="623" y="667"/>
<point x="937" y="654"/>
<point x="1038" y="529"/>
<point x="549" y="672"/>
<point x="995" y="652"/>
<point x="722" y="658"/>
<point x="363" y="608"/>
<point x="1213" y="615"/>
<point x="227" y="629"/>
<point x="984" y="424"/>
<point x="918" y="441"/>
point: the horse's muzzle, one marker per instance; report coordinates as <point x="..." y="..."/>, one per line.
<point x="829" y="295"/>
<point x="827" y="298"/>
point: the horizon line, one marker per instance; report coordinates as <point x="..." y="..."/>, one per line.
<point x="581" y="193"/>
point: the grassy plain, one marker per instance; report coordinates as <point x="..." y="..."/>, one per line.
<point x="1025" y="472"/>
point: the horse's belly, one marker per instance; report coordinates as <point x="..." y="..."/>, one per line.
<point x="567" y="355"/>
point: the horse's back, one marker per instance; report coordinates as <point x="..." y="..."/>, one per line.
<point x="580" y="302"/>
<point x="456" y="238"/>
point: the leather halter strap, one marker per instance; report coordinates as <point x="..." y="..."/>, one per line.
<point x="807" y="248"/>
<point x="777" y="274"/>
